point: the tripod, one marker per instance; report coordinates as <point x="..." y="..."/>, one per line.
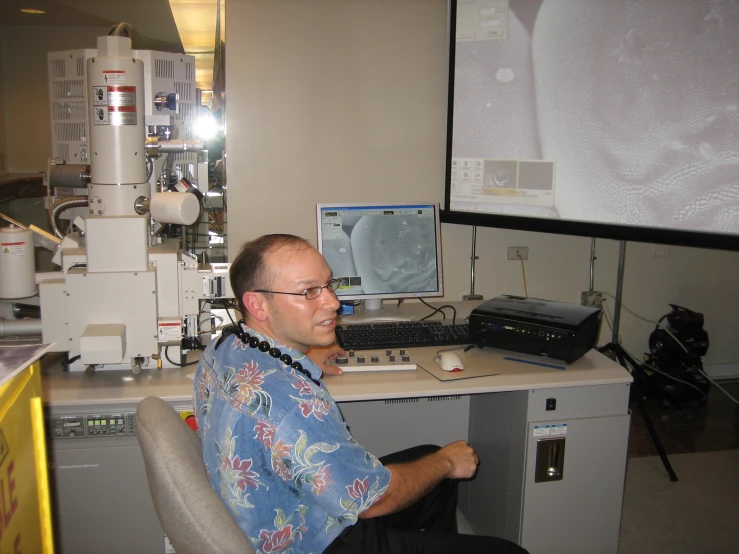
<point x="638" y="393"/>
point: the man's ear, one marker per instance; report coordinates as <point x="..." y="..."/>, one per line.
<point x="254" y="304"/>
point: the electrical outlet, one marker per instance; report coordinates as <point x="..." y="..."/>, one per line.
<point x="514" y="251"/>
<point x="591" y="298"/>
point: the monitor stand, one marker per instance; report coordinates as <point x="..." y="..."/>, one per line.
<point x="372" y="311"/>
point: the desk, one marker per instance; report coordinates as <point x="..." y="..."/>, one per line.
<point x="499" y="415"/>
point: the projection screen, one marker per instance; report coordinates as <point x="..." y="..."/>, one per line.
<point x="602" y="118"/>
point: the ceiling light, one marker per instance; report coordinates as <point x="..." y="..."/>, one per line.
<point x="33" y="11"/>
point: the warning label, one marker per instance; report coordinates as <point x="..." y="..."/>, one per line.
<point x="559" y="429"/>
<point x="170" y="330"/>
<point x="114" y="76"/>
<point x="13" y="248"/>
<point x="114" y="105"/>
<point x="99" y="96"/>
<point x="121" y="96"/>
<point x="551" y="430"/>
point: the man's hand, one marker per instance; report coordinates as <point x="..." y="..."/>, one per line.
<point x="410" y="481"/>
<point x="463" y="460"/>
<point x="320" y="355"/>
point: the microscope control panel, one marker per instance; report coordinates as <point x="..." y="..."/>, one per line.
<point x="92" y="425"/>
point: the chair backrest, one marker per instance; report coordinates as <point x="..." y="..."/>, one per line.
<point x="190" y="511"/>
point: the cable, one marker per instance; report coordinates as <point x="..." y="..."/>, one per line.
<point x="439" y="309"/>
<point x="149" y="167"/>
<point x="200" y="326"/>
<point x="734" y="400"/>
<point x="436" y="310"/>
<point x="523" y="271"/>
<point x="166" y="355"/>
<point x="657" y="323"/>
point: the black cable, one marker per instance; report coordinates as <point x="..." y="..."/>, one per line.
<point x="149" y="167"/>
<point x="436" y="310"/>
<point x="165" y="172"/>
<point x="166" y="355"/>
<point x="439" y="309"/>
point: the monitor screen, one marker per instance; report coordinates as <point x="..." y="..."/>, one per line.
<point x="382" y="251"/>
<point x="596" y="117"/>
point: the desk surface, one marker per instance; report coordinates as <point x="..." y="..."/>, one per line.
<point x="122" y="387"/>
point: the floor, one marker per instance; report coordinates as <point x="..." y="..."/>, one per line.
<point x="692" y="427"/>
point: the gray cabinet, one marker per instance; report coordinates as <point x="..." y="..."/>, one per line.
<point x="550" y="480"/>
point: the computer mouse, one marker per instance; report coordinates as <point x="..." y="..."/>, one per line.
<point x="449" y="361"/>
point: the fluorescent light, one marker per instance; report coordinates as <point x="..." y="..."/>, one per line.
<point x="33" y="11"/>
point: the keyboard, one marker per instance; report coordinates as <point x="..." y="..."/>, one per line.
<point x="403" y="334"/>
<point x="375" y="360"/>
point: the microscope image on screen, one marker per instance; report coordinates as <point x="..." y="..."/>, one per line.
<point x="629" y="109"/>
<point x="381" y="250"/>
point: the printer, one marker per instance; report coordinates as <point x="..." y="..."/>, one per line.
<point x="534" y="326"/>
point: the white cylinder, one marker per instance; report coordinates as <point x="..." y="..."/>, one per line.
<point x="17" y="263"/>
<point x="115" y="82"/>
<point x="20" y="327"/>
<point x="181" y="208"/>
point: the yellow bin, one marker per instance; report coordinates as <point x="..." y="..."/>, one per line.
<point x="25" y="514"/>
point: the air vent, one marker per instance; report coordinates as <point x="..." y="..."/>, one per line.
<point x="56" y="69"/>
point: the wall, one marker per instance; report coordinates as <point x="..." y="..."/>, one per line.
<point x="345" y="100"/>
<point x="3" y="135"/>
<point x="25" y="87"/>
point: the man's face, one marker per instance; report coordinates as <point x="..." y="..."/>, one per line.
<point x="294" y="320"/>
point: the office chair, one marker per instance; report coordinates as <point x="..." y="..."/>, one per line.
<point x="190" y="511"/>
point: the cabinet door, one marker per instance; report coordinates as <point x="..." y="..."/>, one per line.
<point x="581" y="512"/>
<point x="103" y="503"/>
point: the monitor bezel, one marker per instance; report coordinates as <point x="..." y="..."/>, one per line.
<point x="392" y="295"/>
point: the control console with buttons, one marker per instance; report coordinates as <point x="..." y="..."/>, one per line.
<point x="375" y="360"/>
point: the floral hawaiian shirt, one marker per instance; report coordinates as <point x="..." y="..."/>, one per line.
<point x="277" y="449"/>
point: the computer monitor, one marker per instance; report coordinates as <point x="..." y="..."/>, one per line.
<point x="382" y="251"/>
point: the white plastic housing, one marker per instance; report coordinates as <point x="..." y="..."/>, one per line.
<point x="115" y="82"/>
<point x="117" y="244"/>
<point x="17" y="264"/>
<point x="181" y="208"/>
<point x="103" y="343"/>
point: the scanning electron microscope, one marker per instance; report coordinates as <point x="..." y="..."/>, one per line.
<point x="125" y="296"/>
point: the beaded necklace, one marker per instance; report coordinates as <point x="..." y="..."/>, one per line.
<point x="263" y="346"/>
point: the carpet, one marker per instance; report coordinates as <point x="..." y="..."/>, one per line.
<point x="699" y="514"/>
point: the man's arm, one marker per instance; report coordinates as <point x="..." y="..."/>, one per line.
<point x="410" y="482"/>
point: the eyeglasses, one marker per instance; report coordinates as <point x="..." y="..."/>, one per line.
<point x="311" y="293"/>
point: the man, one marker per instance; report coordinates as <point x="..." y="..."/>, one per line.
<point x="275" y="445"/>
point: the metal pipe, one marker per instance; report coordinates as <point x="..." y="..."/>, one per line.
<point x="21" y="311"/>
<point x="176" y="146"/>
<point x="592" y="264"/>
<point x="142" y="205"/>
<point x="69" y="175"/>
<point x="619" y="291"/>
<point x="473" y="258"/>
<point x="63" y="205"/>
<point x="19" y="327"/>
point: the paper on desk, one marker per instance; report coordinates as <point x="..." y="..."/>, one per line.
<point x="14" y="359"/>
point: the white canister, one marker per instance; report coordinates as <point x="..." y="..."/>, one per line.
<point x="17" y="263"/>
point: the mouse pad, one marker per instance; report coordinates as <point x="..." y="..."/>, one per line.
<point x="483" y="362"/>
